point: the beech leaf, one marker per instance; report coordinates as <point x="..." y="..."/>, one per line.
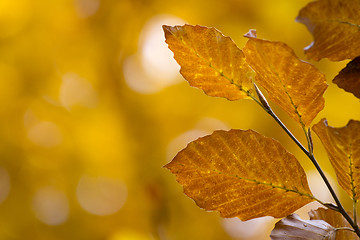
<point x="210" y="61"/>
<point x="295" y="228"/>
<point x="335" y="26"/>
<point x="343" y="148"/>
<point x="336" y="220"/>
<point x="241" y="174"/>
<point x="349" y="77"/>
<point x="296" y="86"/>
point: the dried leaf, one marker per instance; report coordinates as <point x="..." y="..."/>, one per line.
<point x="335" y="26"/>
<point x="349" y="77"/>
<point x="336" y="220"/>
<point x="343" y="148"/>
<point x="294" y="85"/>
<point x="241" y="174"/>
<point x="210" y="61"/>
<point x="295" y="228"/>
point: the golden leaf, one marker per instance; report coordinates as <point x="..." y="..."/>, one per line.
<point x="343" y="148"/>
<point x="295" y="228"/>
<point x="349" y="77"/>
<point x="241" y="174"/>
<point x="210" y="61"/>
<point x="294" y="85"/>
<point x="336" y="220"/>
<point x="335" y="26"/>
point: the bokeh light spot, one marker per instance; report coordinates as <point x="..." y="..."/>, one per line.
<point x="77" y="91"/>
<point x="319" y="190"/>
<point x="51" y="206"/>
<point x="136" y="78"/>
<point x="45" y="134"/>
<point x="101" y="195"/>
<point x="153" y="67"/>
<point x="318" y="186"/>
<point x="182" y="140"/>
<point x="204" y="126"/>
<point x="157" y="59"/>
<point x="251" y="229"/>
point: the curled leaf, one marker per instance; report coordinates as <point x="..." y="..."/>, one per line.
<point x="349" y="77"/>
<point x="210" y="61"/>
<point x="336" y="220"/>
<point x="295" y="228"/>
<point x="241" y="174"/>
<point x="294" y="85"/>
<point x="335" y="26"/>
<point x="343" y="148"/>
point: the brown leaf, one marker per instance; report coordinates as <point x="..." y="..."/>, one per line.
<point x="295" y="228"/>
<point x="343" y="148"/>
<point x="349" y="77"/>
<point x="335" y="26"/>
<point x="294" y="85"/>
<point x="241" y="174"/>
<point x="210" y="61"/>
<point x="336" y="220"/>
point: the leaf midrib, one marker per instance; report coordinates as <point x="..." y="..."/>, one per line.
<point x="274" y="70"/>
<point x="303" y="194"/>
<point x="337" y="21"/>
<point x="351" y="173"/>
<point x="347" y="23"/>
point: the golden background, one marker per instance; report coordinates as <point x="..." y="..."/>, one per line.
<point x="92" y="106"/>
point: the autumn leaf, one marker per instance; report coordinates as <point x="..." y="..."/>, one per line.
<point x="349" y="77"/>
<point x="241" y="174"/>
<point x="335" y="26"/>
<point x="295" y="228"/>
<point x="336" y="220"/>
<point x="210" y="61"/>
<point x="343" y="148"/>
<point x="294" y="85"/>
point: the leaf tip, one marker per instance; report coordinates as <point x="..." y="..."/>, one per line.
<point x="325" y="122"/>
<point x="167" y="166"/>
<point x="166" y="28"/>
<point x="322" y="121"/>
<point x="251" y="34"/>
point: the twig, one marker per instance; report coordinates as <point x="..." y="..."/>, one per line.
<point x="264" y="104"/>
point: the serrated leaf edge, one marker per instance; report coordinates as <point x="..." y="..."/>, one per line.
<point x="221" y="73"/>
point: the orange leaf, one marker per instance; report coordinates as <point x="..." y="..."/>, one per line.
<point x="295" y="228"/>
<point x="343" y="148"/>
<point x="335" y="26"/>
<point x="241" y="174"/>
<point x="210" y="61"/>
<point x="336" y="220"/>
<point x="294" y="85"/>
<point x="349" y="77"/>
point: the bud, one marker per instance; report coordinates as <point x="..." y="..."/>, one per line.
<point x="262" y="99"/>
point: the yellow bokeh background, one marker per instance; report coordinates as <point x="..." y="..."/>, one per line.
<point x="92" y="106"/>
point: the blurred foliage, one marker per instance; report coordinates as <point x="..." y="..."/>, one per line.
<point x="90" y="112"/>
